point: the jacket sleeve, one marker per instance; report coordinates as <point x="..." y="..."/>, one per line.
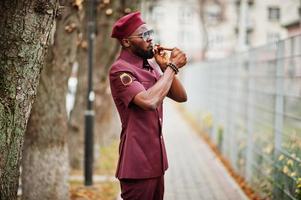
<point x="125" y="86"/>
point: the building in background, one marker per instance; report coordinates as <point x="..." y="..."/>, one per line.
<point x="219" y="19"/>
<point x="210" y="29"/>
<point x="291" y="19"/>
<point x="265" y="19"/>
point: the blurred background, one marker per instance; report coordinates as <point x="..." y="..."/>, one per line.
<point x="243" y="80"/>
<point x="243" y="83"/>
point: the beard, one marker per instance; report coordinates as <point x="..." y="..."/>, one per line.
<point x="145" y="54"/>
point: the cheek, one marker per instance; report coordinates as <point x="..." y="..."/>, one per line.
<point x="140" y="45"/>
<point x="144" y="46"/>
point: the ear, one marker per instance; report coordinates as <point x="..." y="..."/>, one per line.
<point x="126" y="43"/>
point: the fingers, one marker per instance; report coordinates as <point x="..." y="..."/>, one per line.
<point x="157" y="50"/>
<point x="183" y="60"/>
<point x="178" y="57"/>
<point x="162" y="54"/>
<point x="175" y="52"/>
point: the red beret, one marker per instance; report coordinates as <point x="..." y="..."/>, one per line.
<point x="126" y="25"/>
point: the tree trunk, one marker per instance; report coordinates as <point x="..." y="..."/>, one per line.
<point x="45" y="166"/>
<point x="106" y="50"/>
<point x="25" y="27"/>
<point x="75" y="140"/>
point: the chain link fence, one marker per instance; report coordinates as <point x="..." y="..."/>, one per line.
<point x="249" y="104"/>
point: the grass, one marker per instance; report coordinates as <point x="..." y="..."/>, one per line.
<point x="107" y="163"/>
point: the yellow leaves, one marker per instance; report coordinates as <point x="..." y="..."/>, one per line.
<point x="299" y="183"/>
<point x="285" y="170"/>
<point x="289" y="167"/>
<point x="290" y="162"/>
<point x="78" y="4"/>
<point x="298" y="186"/>
<point x="294" y="155"/>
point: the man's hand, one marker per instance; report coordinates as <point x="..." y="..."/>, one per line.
<point x="161" y="57"/>
<point x="168" y="84"/>
<point x="178" y="58"/>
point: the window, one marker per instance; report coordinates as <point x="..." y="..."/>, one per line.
<point x="274" y="13"/>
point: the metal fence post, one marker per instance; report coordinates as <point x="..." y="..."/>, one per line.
<point x="278" y="123"/>
<point x="231" y="116"/>
<point x="215" y="113"/>
<point x="250" y="117"/>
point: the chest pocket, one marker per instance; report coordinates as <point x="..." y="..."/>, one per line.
<point x="147" y="84"/>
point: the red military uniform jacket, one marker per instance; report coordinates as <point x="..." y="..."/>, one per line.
<point x="141" y="151"/>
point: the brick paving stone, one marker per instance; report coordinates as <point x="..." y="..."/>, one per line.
<point x="194" y="171"/>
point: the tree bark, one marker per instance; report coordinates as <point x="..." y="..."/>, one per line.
<point x="76" y="121"/>
<point x="106" y="50"/>
<point x="25" y="27"/>
<point x="45" y="167"/>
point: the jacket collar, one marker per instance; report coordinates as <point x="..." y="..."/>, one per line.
<point x="132" y="58"/>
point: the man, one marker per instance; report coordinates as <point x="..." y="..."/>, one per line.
<point x="138" y="89"/>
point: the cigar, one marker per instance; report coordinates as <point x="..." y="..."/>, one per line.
<point x="163" y="48"/>
<point x="167" y="49"/>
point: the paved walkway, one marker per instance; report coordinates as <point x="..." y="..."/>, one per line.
<point x="194" y="172"/>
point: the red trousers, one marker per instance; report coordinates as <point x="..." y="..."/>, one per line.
<point x="142" y="189"/>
